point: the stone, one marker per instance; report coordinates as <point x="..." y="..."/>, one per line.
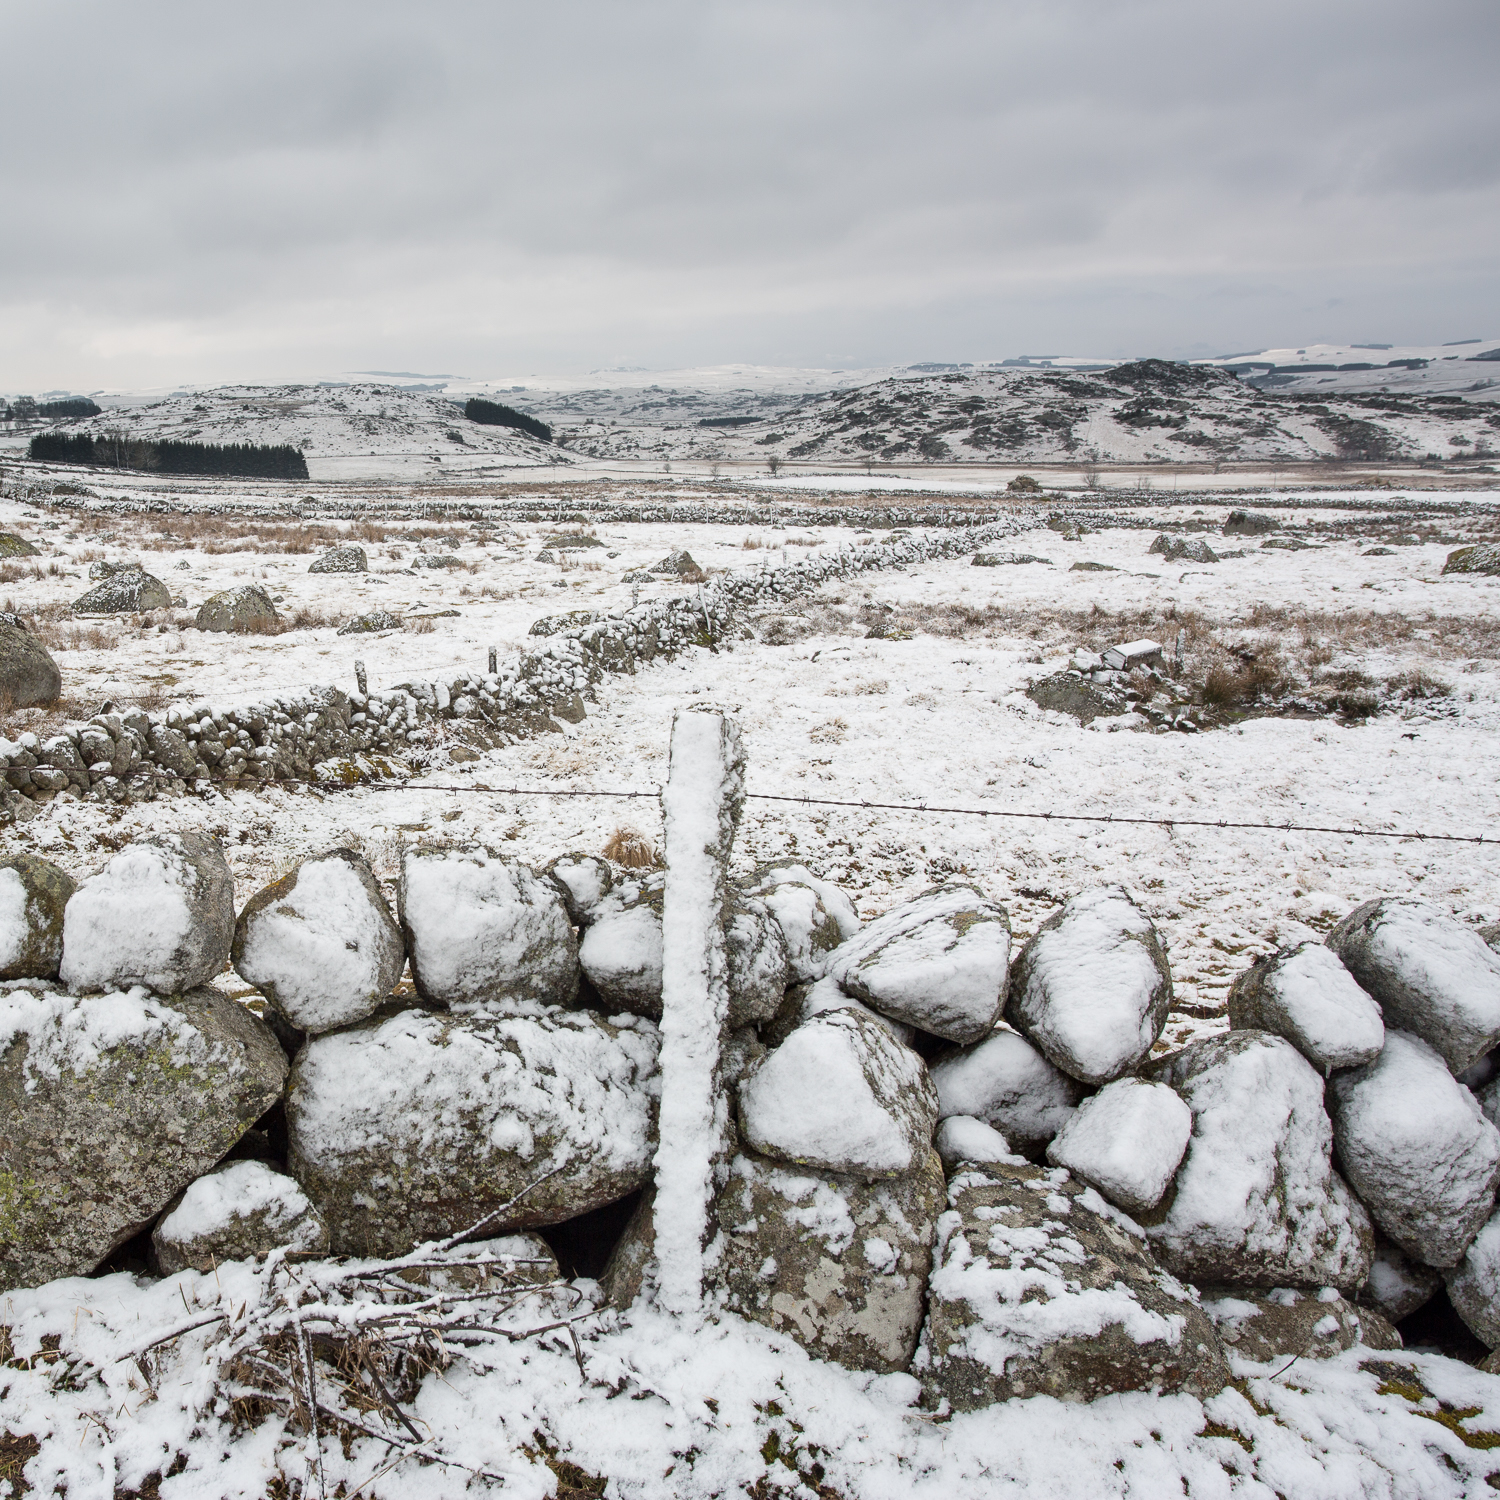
<point x="1127" y="1141"/>
<point x="1256" y="1201"/>
<point x="1286" y="1323"/>
<point x="1091" y="567"/>
<point x="1008" y="1084"/>
<point x="247" y="607"/>
<point x="371" y="622"/>
<point x="29" y="678"/>
<point x="576" y="542"/>
<point x="109" y="1105"/>
<point x="34" y="894"/>
<point x="1398" y="1285"/>
<point x="124" y="593"/>
<point x="320" y="943"/>
<point x="839" y="1264"/>
<point x="962" y="1138"/>
<point x="573" y="619"/>
<point x="160" y="913"/>
<point x="937" y="962"/>
<point x="759" y="965"/>
<point x="1417" y="1149"/>
<point x="815" y="916"/>
<point x="1378" y="552"/>
<point x="841" y="1094"/>
<point x="1040" y="1288"/>
<point x="1430" y="975"/>
<point x="1092" y="989"/>
<point x="346" y="559"/>
<point x="1303" y="993"/>
<point x="621" y="951"/>
<point x="420" y="1125"/>
<point x="1484" y="558"/>
<point x="1183" y="549"/>
<point x="583" y="881"/>
<point x="1474" y="1284"/>
<point x="1068" y="693"/>
<point x="239" y="1210"/>
<point x="678" y="563"/>
<point x="12" y="545"/>
<point x="1004" y="559"/>
<point x="171" y="751"/>
<point x="437" y="560"/>
<point x="1248" y="523"/>
<point x="480" y="927"/>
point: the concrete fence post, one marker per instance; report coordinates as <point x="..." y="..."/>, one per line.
<point x="701" y="805"/>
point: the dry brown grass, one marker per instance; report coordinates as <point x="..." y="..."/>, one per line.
<point x="631" y="848"/>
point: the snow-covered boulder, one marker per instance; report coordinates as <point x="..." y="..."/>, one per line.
<point x="759" y="965"/>
<point x="109" y="1104"/>
<point x="621" y="952"/>
<point x="962" y="1138"/>
<point x="1041" y="1288"/>
<point x="482" y="928"/>
<point x="349" y="558"/>
<point x="128" y="591"/>
<point x="938" y="963"/>
<point x="841" y="1094"/>
<point x="320" y="943"/>
<point x="1092" y="989"/>
<point x="29" y="677"/>
<point x="1127" y="1140"/>
<point x="34" y="895"/>
<point x="1257" y="1201"/>
<point x="815" y="915"/>
<point x="419" y="1125"/>
<point x="1303" y="993"/>
<point x="247" y="607"/>
<point x="1398" y="1285"/>
<point x="1285" y="1323"/>
<point x="1007" y="1083"/>
<point x="1474" y="1284"/>
<point x="1431" y="975"/>
<point x="239" y="1210"/>
<point x="838" y="1263"/>
<point x="583" y="881"/>
<point x="160" y="913"/>
<point x="804" y="1001"/>
<point x="1417" y="1149"/>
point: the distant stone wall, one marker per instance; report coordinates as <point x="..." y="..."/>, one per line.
<point x="135" y="756"/>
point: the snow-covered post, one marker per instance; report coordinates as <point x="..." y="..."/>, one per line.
<point x="701" y="804"/>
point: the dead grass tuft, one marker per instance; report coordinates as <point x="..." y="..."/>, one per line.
<point x="631" y="848"/>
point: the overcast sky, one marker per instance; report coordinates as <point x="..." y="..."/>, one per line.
<point x="199" y="192"/>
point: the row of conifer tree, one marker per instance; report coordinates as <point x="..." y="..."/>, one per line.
<point x="115" y="451"/>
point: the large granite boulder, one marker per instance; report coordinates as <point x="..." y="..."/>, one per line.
<point x="480" y="927"/>
<point x="1303" y="993"/>
<point x="1092" y="989"/>
<point x="1482" y="558"/>
<point x="29" y="678"/>
<point x="160" y="913"/>
<point x="239" y="1210"/>
<point x="1008" y="1084"/>
<point x="320" y="943"/>
<point x="838" y="1263"/>
<point x="1040" y="1288"/>
<point x="841" y="1094"/>
<point x="938" y="963"/>
<point x="420" y="1125"/>
<point x="247" y="607"/>
<point x="34" y="894"/>
<point x="109" y="1105"/>
<point x="1417" y="1149"/>
<point x="1256" y="1200"/>
<point x="127" y="592"/>
<point x="1431" y="975"/>
<point x="349" y="558"/>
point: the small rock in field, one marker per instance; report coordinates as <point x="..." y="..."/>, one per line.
<point x="247" y="607"/>
<point x="237" y="1211"/>
<point x="347" y="559"/>
<point x="124" y="593"/>
<point x="1483" y="558"/>
<point x="370" y="622"/>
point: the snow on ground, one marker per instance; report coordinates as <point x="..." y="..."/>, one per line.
<point x="934" y="713"/>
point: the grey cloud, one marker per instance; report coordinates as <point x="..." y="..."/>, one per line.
<point x="301" y="188"/>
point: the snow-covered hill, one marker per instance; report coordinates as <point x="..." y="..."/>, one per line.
<point x="1146" y="411"/>
<point x="1469" y="368"/>
<point x="340" y="430"/>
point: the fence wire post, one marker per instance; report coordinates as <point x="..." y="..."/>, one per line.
<point x="701" y="805"/>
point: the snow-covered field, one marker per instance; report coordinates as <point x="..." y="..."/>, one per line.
<point x="931" y="711"/>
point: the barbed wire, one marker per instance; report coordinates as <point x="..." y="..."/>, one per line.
<point x="654" y="793"/>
